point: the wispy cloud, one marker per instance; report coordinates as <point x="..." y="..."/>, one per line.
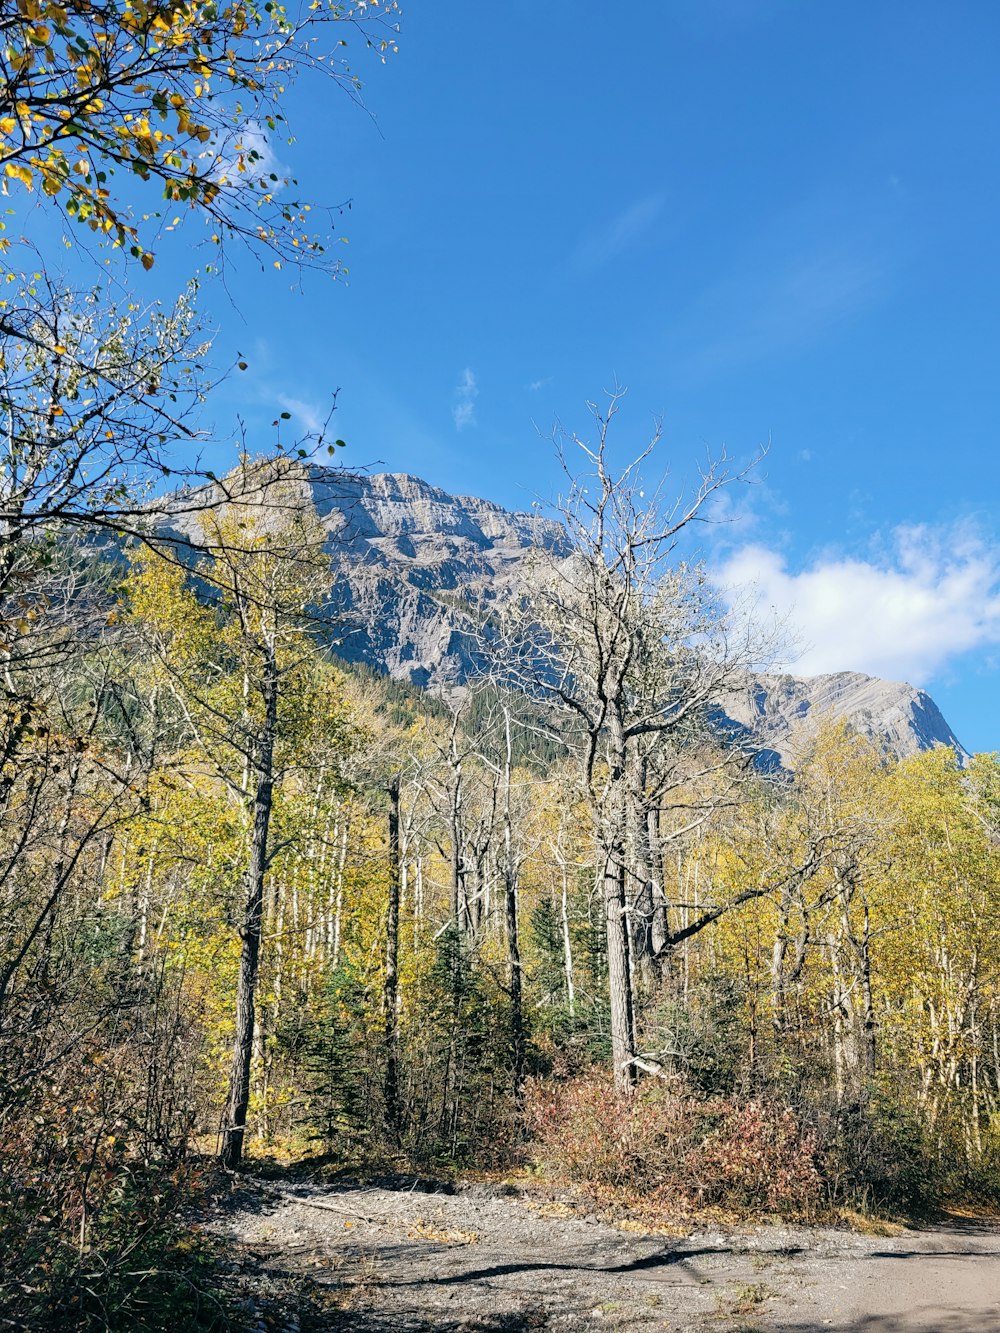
<point x="751" y="317"/>
<point x="466" y="393"/>
<point x="535" y="385"/>
<point x="600" y="245"/>
<point x="906" y="613"/>
<point x="309" y="416"/>
<point x="736" y="517"/>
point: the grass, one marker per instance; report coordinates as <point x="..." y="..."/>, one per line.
<point x="744" y="1300"/>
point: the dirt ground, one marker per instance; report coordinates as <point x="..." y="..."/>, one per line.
<point x="406" y="1255"/>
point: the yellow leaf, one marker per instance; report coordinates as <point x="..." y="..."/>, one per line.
<point x="19" y="173"/>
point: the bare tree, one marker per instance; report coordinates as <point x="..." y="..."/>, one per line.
<point x="631" y="644"/>
<point x="390" y="991"/>
<point x="506" y="804"/>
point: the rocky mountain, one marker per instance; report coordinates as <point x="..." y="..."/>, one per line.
<point x="409" y="557"/>
<point x="783" y="713"/>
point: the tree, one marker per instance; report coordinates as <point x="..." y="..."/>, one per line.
<point x="838" y="789"/>
<point x="92" y="397"/>
<point x="242" y="674"/>
<point x="390" y="990"/>
<point x="506" y="814"/>
<point x="88" y="398"/>
<point x="939" y="969"/>
<point x="633" y="647"/>
<point x="180" y="92"/>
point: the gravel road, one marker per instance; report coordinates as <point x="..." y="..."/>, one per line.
<point x="411" y="1256"/>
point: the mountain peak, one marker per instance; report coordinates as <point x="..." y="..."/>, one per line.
<point x="391" y="505"/>
<point x="785" y="712"/>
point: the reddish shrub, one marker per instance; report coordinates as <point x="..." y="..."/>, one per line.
<point x="758" y="1159"/>
<point x="585" y="1130"/>
<point x="664" y="1141"/>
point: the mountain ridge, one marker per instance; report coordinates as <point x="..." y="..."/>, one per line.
<point x="410" y="558"/>
<point x="783" y="712"/>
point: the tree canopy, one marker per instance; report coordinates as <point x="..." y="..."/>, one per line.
<point x="181" y="92"/>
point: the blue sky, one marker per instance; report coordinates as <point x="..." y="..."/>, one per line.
<point x="772" y="220"/>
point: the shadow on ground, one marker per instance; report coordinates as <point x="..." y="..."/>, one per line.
<point x="927" y="1317"/>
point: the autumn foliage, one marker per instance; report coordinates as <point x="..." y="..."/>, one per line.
<point x="667" y="1146"/>
<point x="180" y="93"/>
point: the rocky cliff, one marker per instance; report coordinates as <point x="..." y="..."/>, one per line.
<point x="409" y="557"/>
<point x="783" y="712"/>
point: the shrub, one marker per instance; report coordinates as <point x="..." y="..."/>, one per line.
<point x="665" y="1141"/>
<point x="144" y="1265"/>
<point x="585" y="1130"/>
<point x="758" y="1159"/>
<point x="96" y="1192"/>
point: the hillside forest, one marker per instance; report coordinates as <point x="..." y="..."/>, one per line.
<point x="259" y="906"/>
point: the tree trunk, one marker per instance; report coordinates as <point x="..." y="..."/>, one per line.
<point x="338" y="907"/>
<point x="567" y="945"/>
<point x="863" y="1033"/>
<point x="517" y="1044"/>
<point x="623" y="1048"/>
<point x="869" y="1021"/>
<point x="250" y="931"/>
<point x="619" y="974"/>
<point x="459" y="889"/>
<point x="658" y="925"/>
<point x="391" y="989"/>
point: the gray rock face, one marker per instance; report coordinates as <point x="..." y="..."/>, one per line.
<point x="784" y="712"/>
<point x="408" y="558"/>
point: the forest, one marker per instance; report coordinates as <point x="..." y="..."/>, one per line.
<point x="260" y="907"/>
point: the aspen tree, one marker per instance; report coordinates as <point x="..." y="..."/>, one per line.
<point x="242" y="674"/>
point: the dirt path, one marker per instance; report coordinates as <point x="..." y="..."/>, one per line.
<point x="407" y="1259"/>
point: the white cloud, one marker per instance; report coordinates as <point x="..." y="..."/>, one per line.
<point x="466" y="393"/>
<point x="600" y="245"/>
<point x="932" y="596"/>
<point x="535" y="385"/>
<point x="250" y="139"/>
<point x="308" y="415"/>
